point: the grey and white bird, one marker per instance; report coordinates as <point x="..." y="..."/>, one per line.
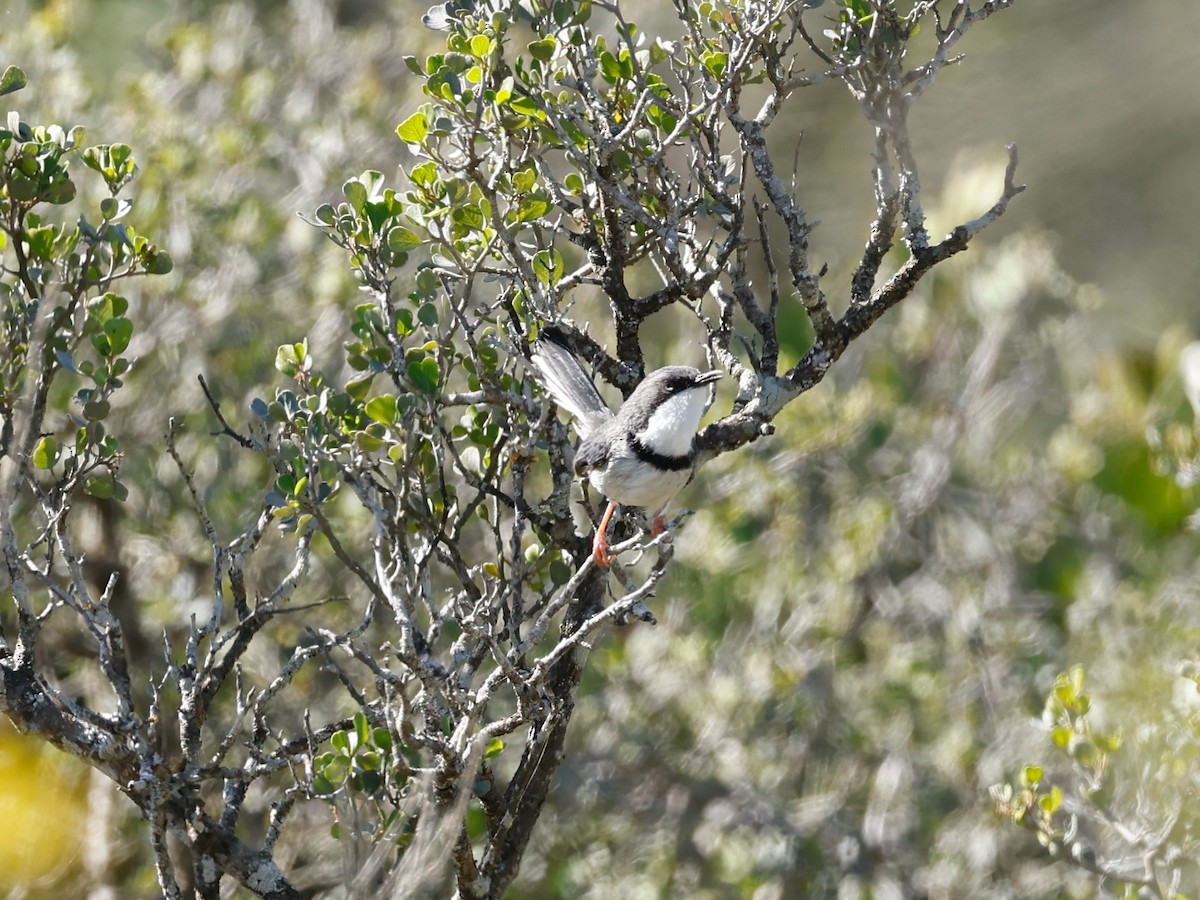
<point x="645" y="453"/>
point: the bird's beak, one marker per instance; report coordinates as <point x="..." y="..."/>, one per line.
<point x="709" y="377"/>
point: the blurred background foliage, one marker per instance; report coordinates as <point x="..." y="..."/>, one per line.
<point x="869" y="608"/>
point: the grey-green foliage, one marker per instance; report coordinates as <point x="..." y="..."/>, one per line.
<point x="1114" y="801"/>
<point x="65" y="328"/>
<point x="545" y="167"/>
<point x="242" y="119"/>
<point x="864" y="626"/>
<point x="848" y="658"/>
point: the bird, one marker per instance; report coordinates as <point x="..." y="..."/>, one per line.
<point x="642" y="455"/>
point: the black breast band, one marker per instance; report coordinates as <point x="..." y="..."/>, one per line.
<point x="660" y="460"/>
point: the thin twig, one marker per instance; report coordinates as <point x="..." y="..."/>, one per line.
<point x="216" y="408"/>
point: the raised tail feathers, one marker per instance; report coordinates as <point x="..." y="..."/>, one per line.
<point x="568" y="383"/>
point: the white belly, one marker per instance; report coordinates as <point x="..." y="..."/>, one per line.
<point x="629" y="481"/>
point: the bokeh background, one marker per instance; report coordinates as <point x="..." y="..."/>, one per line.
<point x="868" y="609"/>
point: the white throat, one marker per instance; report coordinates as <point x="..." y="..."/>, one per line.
<point x="672" y="426"/>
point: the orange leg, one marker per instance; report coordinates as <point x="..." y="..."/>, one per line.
<point x="600" y="551"/>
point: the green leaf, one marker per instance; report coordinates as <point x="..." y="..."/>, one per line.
<point x="41" y="241"/>
<point x="372" y="180"/>
<point x="715" y="63"/>
<point x="505" y="90"/>
<point x="609" y="67"/>
<point x="548" y="266"/>
<point x="356" y="194"/>
<point x="363" y="728"/>
<point x="427" y="315"/>
<point x="524" y="179"/>
<point x="371" y="781"/>
<point x="494" y="748"/>
<point x="45" y="454"/>
<point x="22" y="187"/>
<point x="424" y="174"/>
<point x="106" y="488"/>
<point x="404" y="322"/>
<point x="427" y="281"/>
<point x="526" y="105"/>
<point x="413" y="129"/>
<point x="382" y="409"/>
<point x="158" y="262"/>
<point x="382" y="738"/>
<point x="401" y="240"/>
<point x="285" y="361"/>
<point x="122" y="156"/>
<point x="108" y="306"/>
<point x="291" y="359"/>
<point x="113" y="209"/>
<point x="118" y="332"/>
<point x="1032" y="775"/>
<point x="359" y="387"/>
<point x="424" y="374"/>
<point x="560" y="572"/>
<point x="469" y="216"/>
<point x="97" y="410"/>
<point x="532" y="207"/>
<point x="114" y="161"/>
<point x="340" y="741"/>
<point x="1051" y="802"/>
<point x="481" y="45"/>
<point x="368" y="443"/>
<point x="544" y="49"/>
<point x="12" y="80"/>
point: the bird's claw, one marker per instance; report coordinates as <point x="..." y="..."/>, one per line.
<point x="602" y="555"/>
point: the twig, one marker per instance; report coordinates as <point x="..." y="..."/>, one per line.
<point x="216" y="408"/>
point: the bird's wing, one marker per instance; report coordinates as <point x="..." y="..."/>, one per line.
<point x="568" y="383"/>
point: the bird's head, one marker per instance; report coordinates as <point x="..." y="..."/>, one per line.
<point x="664" y="411"/>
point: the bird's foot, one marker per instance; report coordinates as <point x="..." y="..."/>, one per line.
<point x="600" y="552"/>
<point x="659" y="527"/>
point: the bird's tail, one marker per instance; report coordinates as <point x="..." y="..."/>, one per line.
<point x="567" y="382"/>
